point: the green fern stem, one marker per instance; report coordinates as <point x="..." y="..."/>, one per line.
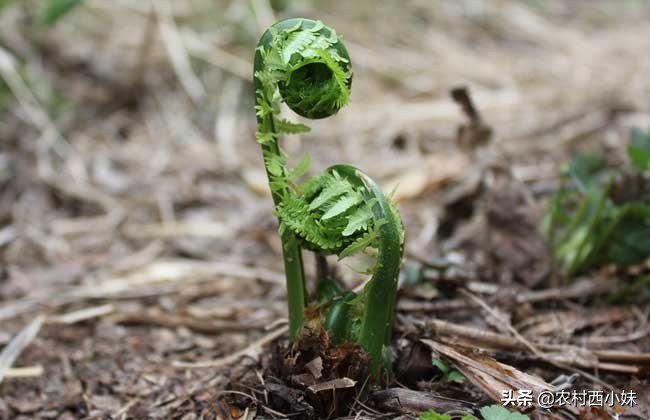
<point x="291" y="252"/>
<point x="342" y="211"/>
<point x="381" y="290"/>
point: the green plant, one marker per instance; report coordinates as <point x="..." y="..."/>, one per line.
<point x="492" y="412"/>
<point x="434" y="415"/>
<point x="497" y="412"/>
<point x="52" y="11"/>
<point x="56" y="9"/>
<point x="341" y="211"/>
<point x="601" y="216"/>
<point x="636" y="291"/>
<point x="448" y="374"/>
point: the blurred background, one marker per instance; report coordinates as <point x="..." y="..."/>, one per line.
<point x="132" y="187"/>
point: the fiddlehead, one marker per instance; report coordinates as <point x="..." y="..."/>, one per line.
<point x="341" y="211"/>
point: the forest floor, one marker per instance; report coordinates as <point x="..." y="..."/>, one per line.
<point x="140" y="266"/>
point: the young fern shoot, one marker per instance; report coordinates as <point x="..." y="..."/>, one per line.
<point x="341" y="211"/>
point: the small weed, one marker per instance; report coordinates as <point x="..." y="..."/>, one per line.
<point x="600" y="215"/>
<point x="448" y="374"/>
<point x="492" y="412"/>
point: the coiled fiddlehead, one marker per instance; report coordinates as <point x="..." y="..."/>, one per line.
<point x="341" y="211"/>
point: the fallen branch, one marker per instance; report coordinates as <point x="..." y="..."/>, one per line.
<point x="408" y="400"/>
<point x="616" y="361"/>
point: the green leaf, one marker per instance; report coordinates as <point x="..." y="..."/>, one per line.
<point x="340" y="76"/>
<point x="358" y="220"/>
<point x="639" y="149"/>
<point x="275" y="165"/>
<point x="301" y="168"/>
<point x="343" y="204"/>
<point x="628" y="239"/>
<point x="455" y="376"/>
<point x="497" y="412"/>
<point x="265" y="138"/>
<point x="468" y="417"/>
<point x="295" y="43"/>
<point x="442" y="366"/>
<point x="586" y="169"/>
<point x="335" y="187"/>
<point x="362" y="243"/>
<point x="433" y="415"/>
<point x="317" y="27"/>
<point x="56" y="9"/>
<point x="288" y="127"/>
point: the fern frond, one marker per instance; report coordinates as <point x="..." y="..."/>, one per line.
<point x="300" y="169"/>
<point x="265" y="137"/>
<point x="358" y="220"/>
<point x="288" y="127"/>
<point x="339" y="75"/>
<point x="317" y="27"/>
<point x="342" y="205"/>
<point x="313" y="186"/>
<point x="359" y="245"/>
<point x="275" y="164"/>
<point x="295" y="43"/>
<point x="295" y="214"/>
<point x="304" y="64"/>
<point x="335" y="187"/>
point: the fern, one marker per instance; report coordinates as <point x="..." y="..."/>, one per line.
<point x="295" y="214"/>
<point x="335" y="187"/>
<point x="358" y="220"/>
<point x="296" y="43"/>
<point x="288" y="127"/>
<point x="300" y="169"/>
<point x="342" y="205"/>
<point x="276" y="165"/>
<point x="360" y="245"/>
<point x="341" y="211"/>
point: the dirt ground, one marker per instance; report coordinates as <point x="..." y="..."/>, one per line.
<point x="140" y="266"/>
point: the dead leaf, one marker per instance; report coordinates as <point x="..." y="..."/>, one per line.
<point x="315" y="367"/>
<point x="493" y="377"/>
